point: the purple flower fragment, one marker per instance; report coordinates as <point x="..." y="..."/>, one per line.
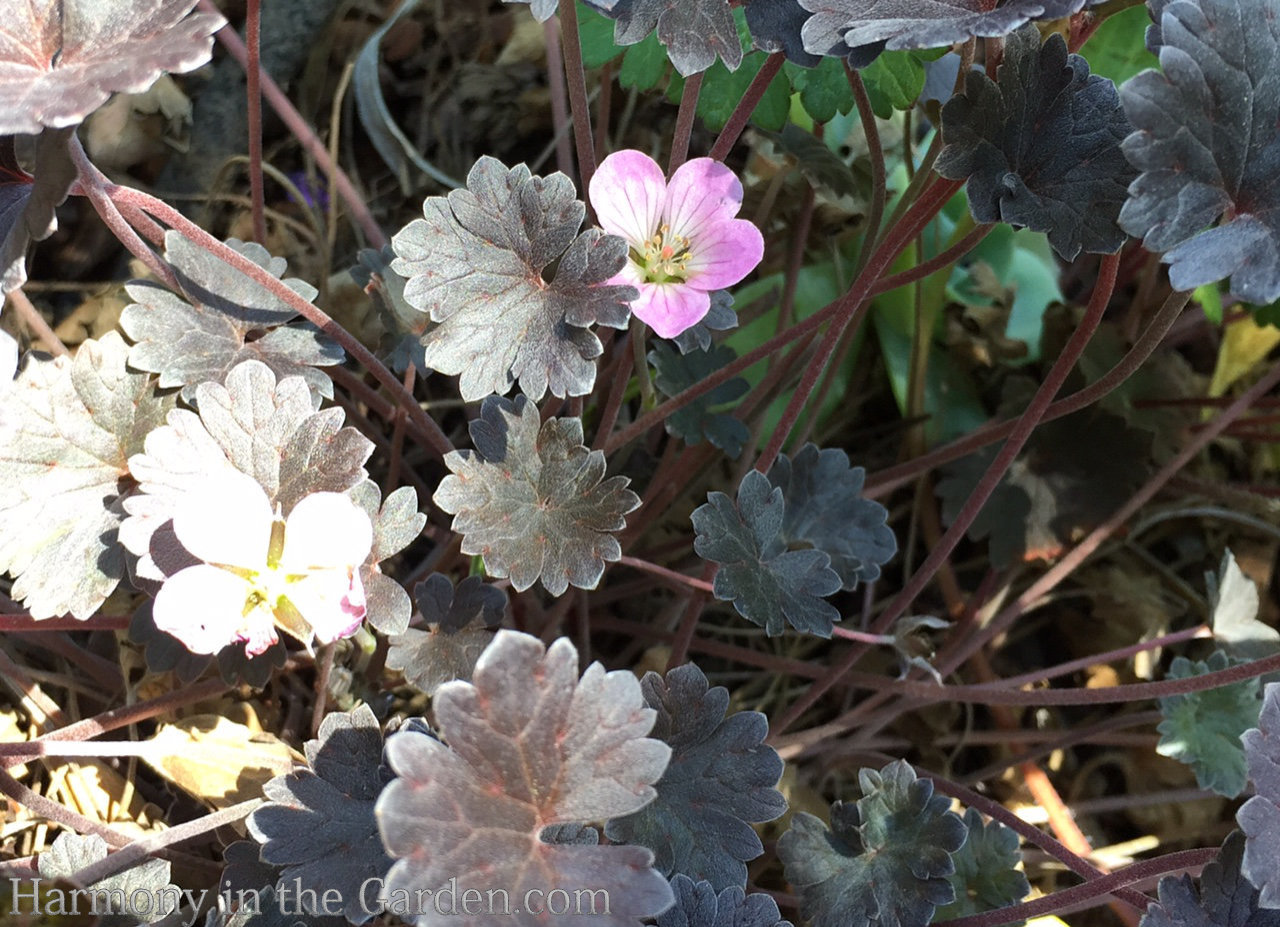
<point x="684" y="239"/>
<point x="261" y="571"/>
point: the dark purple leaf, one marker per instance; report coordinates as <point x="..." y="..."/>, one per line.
<point x="698" y="905"/>
<point x="530" y="746"/>
<point x="61" y="59"/>
<point x="720" y="781"/>
<point x="1207" y="142"/>
<point x="886" y="859"/>
<point x="677" y="372"/>
<point x="68" y="428"/>
<point x="776" y="26"/>
<point x="533" y="500"/>
<point x="27" y="203"/>
<point x="861" y="29"/>
<point x="225" y="319"/>
<point x="461" y="624"/>
<point x="475" y="264"/>
<point x="267" y="429"/>
<point x="318" y="823"/>
<point x="694" y="31"/>
<point x="825" y="510"/>
<point x="1041" y="148"/>
<point x="768" y="584"/>
<point x="1259" y="817"/>
<point x="164" y="652"/>
<point x="719" y="318"/>
<point x="1225" y="899"/>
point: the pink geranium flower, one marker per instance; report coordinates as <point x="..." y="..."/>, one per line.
<point x="685" y="241"/>
<point x="262" y="572"/>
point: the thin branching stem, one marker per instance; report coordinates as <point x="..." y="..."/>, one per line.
<point x="253" y="73"/>
<point x="32" y="318"/>
<point x="576" y="76"/>
<point x="875" y="152"/>
<point x="559" y="98"/>
<point x="684" y="122"/>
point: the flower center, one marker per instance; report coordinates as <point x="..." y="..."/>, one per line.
<point x="665" y="258"/>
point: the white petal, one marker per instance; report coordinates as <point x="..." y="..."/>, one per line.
<point x="325" y="529"/>
<point x="202" y="606"/>
<point x="331" y="601"/>
<point x="227" y="520"/>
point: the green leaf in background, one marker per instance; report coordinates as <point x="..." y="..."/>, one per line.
<point x="1209" y="297"/>
<point x="894" y="81"/>
<point x="824" y="90"/>
<point x="595" y="34"/>
<point x="644" y="64"/>
<point x="722" y="89"/>
<point x="1117" y="49"/>
<point x="1203" y="729"/>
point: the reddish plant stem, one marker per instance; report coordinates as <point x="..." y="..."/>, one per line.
<point x="604" y="105"/>
<point x="795" y="259"/>
<point x="999" y="812"/>
<point x="559" y="97"/>
<point x="617" y="390"/>
<point x="25" y="624"/>
<point x="94" y="184"/>
<point x="855" y="306"/>
<point x="57" y="813"/>
<point x="875" y="152"/>
<point x="253" y="73"/>
<point x="746" y="106"/>
<point x="684" y="122"/>
<point x="576" y="76"/>
<point x="32" y="318"/>
<point x="689" y="618"/>
<point x="165" y="213"/>
<point x="933" y="264"/>
<point x="305" y="135"/>
<point x="397" y="435"/>
<point x="1077" y="897"/>
<point x="678" y="580"/>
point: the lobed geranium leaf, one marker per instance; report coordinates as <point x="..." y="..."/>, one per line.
<point x="530" y="746"/>
<point x="1203" y="729"/>
<point x="1259" y="817"/>
<point x="61" y="59"/>
<point x="1041" y="148"/>
<point x="861" y="29"/>
<point x="475" y="264"/>
<point x="768" y="584"/>
<point x="825" y="510"/>
<point x="67" y="430"/>
<point x="886" y="859"/>
<point x="111" y="896"/>
<point x="1234" y="616"/>
<point x="1225" y="898"/>
<point x="254" y="424"/>
<point x="28" y="203"/>
<point x="986" y="875"/>
<point x="1207" y="143"/>
<point x="720" y="780"/>
<point x="318" y="823"/>
<point x="694" y="32"/>
<point x="225" y="319"/>
<point x="677" y="372"/>
<point x="532" y="499"/>
<point x="396" y="524"/>
<point x="719" y="318"/>
<point x="460" y="622"/>
<point x="775" y="27"/>
<point x="824" y="91"/>
<point x="698" y="905"/>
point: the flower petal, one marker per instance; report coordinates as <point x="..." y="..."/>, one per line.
<point x="628" y="191"/>
<point x="332" y="602"/>
<point x="325" y="529"/>
<point x="203" y="606"/>
<point x="702" y="193"/>
<point x="726" y="253"/>
<point x="670" y="308"/>
<point x="227" y="520"/>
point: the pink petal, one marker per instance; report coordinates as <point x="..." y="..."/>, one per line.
<point x="702" y="193"/>
<point x="325" y="529"/>
<point x="226" y="520"/>
<point x="726" y="253"/>
<point x="203" y="606"/>
<point x="331" y="601"/>
<point x="670" y="308"/>
<point x="627" y="192"/>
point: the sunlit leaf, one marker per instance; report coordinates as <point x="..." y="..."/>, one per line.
<point x="1259" y="817"/>
<point x="460" y="624"/>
